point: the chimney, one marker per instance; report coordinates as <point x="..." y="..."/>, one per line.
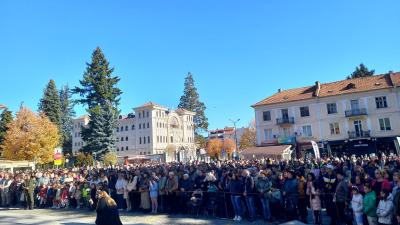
<point x="317" y="88"/>
<point x="279" y="90"/>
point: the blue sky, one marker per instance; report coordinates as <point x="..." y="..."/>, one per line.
<point x="238" y="51"/>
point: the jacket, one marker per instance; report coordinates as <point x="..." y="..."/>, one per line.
<point x="264" y="186"/>
<point x="385" y="211"/>
<point x="235" y="187"/>
<point x="342" y="190"/>
<point x="369" y="204"/>
<point x="357" y="203"/>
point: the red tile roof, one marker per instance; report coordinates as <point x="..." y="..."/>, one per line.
<point x="350" y="86"/>
<point x="147" y="104"/>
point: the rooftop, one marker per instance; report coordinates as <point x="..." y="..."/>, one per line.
<point x="342" y="87"/>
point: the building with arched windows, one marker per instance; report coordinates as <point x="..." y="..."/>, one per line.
<point x="151" y="130"/>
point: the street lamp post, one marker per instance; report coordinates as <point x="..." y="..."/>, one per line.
<point x="234" y="124"/>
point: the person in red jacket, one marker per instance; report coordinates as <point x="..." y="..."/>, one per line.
<point x="380" y="183"/>
<point x="43" y="195"/>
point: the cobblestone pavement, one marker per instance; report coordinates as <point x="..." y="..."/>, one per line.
<point x="82" y="217"/>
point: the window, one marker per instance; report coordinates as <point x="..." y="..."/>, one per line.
<point x="139" y="114"/>
<point x="117" y="129"/>
<point x="384" y="124"/>
<point x="140" y="140"/>
<point x="117" y="149"/>
<point x="307" y="131"/>
<point x="381" y="102"/>
<point x="331" y="108"/>
<point x="126" y="148"/>
<point x="148" y="139"/>
<point x="122" y="138"/>
<point x="334" y="127"/>
<point x="172" y="139"/>
<point x="148" y="125"/>
<point x="126" y="128"/>
<point x="144" y="125"/>
<point x="133" y="127"/>
<point x="304" y="111"/>
<point x="268" y="134"/>
<point x="158" y="139"/>
<point x="140" y="126"/>
<point x="144" y="140"/>
<point x="122" y="129"/>
<point x="267" y="115"/>
<point x="122" y="148"/>
<point x="126" y="138"/>
<point x="147" y="114"/>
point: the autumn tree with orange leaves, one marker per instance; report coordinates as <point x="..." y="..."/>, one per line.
<point x="31" y="137"/>
<point x="214" y="147"/>
<point x="229" y="146"/>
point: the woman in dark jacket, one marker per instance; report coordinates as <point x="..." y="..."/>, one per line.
<point x="107" y="212"/>
<point x="236" y="189"/>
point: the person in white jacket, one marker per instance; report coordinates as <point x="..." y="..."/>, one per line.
<point x="385" y="208"/>
<point x="357" y="205"/>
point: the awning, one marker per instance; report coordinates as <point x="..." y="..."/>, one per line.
<point x="278" y="151"/>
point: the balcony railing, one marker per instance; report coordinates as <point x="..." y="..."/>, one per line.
<point x="361" y="134"/>
<point x="285" y="120"/>
<point x="355" y="112"/>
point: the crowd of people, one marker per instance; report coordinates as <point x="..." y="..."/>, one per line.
<point x="353" y="190"/>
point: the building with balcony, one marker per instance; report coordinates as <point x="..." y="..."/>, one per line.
<point x="357" y="116"/>
<point x="151" y="131"/>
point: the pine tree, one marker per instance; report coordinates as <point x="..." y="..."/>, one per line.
<point x="100" y="135"/>
<point x="361" y="71"/>
<point x="98" y="85"/>
<point x="50" y="103"/>
<point x="5" y="119"/>
<point x="67" y="113"/>
<point x="190" y="101"/>
<point x="100" y="94"/>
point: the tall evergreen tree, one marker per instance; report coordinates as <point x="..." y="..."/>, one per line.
<point x="5" y="118"/>
<point x="361" y="71"/>
<point x="67" y="114"/>
<point x="190" y="101"/>
<point x="99" y="92"/>
<point x="50" y="103"/>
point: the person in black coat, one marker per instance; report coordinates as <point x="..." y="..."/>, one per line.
<point x="107" y="211"/>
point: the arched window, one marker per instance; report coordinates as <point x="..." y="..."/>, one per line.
<point x="122" y="138"/>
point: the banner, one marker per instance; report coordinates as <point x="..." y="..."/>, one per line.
<point x="57" y="156"/>
<point x="316" y="149"/>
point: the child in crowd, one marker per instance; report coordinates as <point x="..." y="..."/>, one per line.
<point x="42" y="196"/>
<point x="78" y="196"/>
<point x="57" y="197"/>
<point x="85" y="195"/>
<point x="153" y="188"/>
<point x="357" y="205"/>
<point x="64" y="196"/>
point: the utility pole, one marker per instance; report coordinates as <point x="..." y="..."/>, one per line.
<point x="234" y="124"/>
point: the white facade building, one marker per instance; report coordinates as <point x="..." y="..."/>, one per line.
<point x="357" y="115"/>
<point x="152" y="130"/>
